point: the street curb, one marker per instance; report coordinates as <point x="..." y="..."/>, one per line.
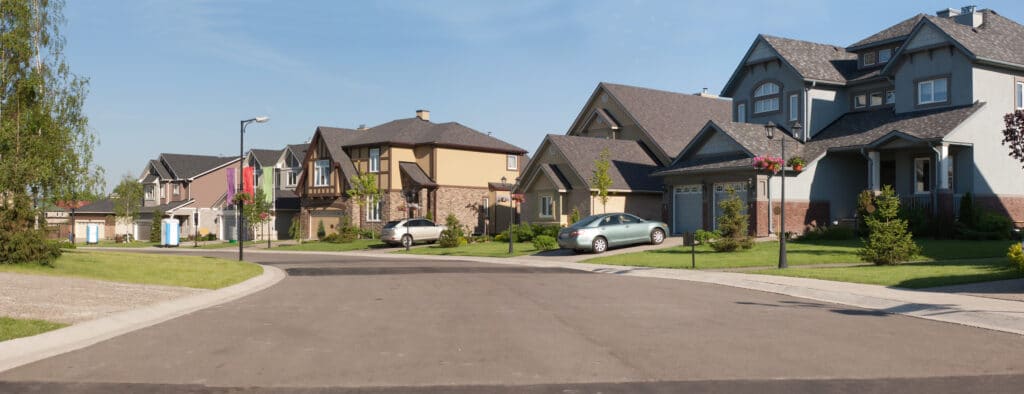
<point x="17" y="352"/>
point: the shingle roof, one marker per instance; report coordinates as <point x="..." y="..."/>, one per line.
<point x="630" y="168"/>
<point x="266" y="157"/>
<point x="750" y="136"/>
<point x="105" y="205"/>
<point x="997" y="38"/>
<point x="556" y="178"/>
<point x="335" y="139"/>
<point x="299" y="150"/>
<point x="714" y="164"/>
<point x="413" y="131"/>
<point x="415" y="174"/>
<point x="166" y="207"/>
<point x="671" y="119"/>
<point x="189" y="166"/>
<point x="892" y="33"/>
<point x="160" y="169"/>
<point x="822" y="62"/>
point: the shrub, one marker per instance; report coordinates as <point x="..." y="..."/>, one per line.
<point x="574" y="216"/>
<point x="865" y="208"/>
<point x="320" y="232"/>
<point x="294" y="229"/>
<point x="888" y="240"/>
<point x="501" y="237"/>
<point x="918" y="221"/>
<point x="523" y="232"/>
<point x="154" y="227"/>
<point x="211" y="237"/>
<point x="1016" y="255"/>
<point x="550" y="230"/>
<point x="19" y="242"/>
<point x="732" y="225"/>
<point x="999" y="226"/>
<point x="703" y="236"/>
<point x="544" y="242"/>
<point x="828" y="233"/>
<point x="453" y="236"/>
<point x="968" y="214"/>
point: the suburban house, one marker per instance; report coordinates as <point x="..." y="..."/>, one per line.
<point x="918" y="106"/>
<point x="184" y="187"/>
<point x="643" y="130"/>
<point x="279" y="188"/>
<point x="421" y="169"/>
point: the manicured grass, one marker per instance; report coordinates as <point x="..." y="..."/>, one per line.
<point x="112" y="244"/>
<point x="16" y="328"/>
<point x="359" y="244"/>
<point x="158" y="269"/>
<point x="766" y="254"/>
<point x="220" y="244"/>
<point x="913" y="275"/>
<point x="485" y="249"/>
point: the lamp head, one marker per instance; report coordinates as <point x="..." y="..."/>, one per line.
<point x="504" y="180"/>
<point x="797" y="126"/>
<point x="769" y="130"/>
<point x="262" y="119"/>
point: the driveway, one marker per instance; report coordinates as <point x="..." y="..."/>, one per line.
<point x="439" y="326"/>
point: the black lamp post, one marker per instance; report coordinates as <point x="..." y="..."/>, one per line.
<point x="241" y="162"/>
<point x="769" y="130"/>
<point x="511" y="214"/>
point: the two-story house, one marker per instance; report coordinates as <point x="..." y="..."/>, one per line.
<point x="422" y="168"/>
<point x="918" y="105"/>
<point x="279" y="188"/>
<point x="182" y="186"/>
<point x="641" y="129"/>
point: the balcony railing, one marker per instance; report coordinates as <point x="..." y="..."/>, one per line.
<point x="922" y="202"/>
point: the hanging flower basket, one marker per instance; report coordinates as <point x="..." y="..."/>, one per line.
<point x="768" y="163"/>
<point x="797" y="163"/>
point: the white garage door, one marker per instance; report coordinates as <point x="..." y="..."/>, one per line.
<point x="721" y="194"/>
<point x="687" y="207"/>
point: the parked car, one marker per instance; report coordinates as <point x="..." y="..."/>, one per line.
<point x="405" y="232"/>
<point x="597" y="233"/>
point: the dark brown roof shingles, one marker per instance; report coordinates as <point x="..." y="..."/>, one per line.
<point x="630" y="168"/>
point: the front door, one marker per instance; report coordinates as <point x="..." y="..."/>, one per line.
<point x="687" y="208"/>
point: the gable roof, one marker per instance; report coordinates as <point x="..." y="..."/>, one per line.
<point x="815" y="61"/>
<point x="890" y="34"/>
<point x="161" y="171"/>
<point x="335" y="139"/>
<point x="630" y="167"/>
<point x="670" y="119"/>
<point x="105" y="205"/>
<point x="266" y="157"/>
<point x="184" y="167"/>
<point x="299" y="150"/>
<point x="998" y="40"/>
<point x="413" y="131"/>
<point x="415" y="174"/>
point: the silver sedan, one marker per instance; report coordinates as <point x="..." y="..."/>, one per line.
<point x="597" y="233"/>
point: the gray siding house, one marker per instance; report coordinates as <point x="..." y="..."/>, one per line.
<point x="918" y="106"/>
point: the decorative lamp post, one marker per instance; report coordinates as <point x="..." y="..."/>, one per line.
<point x="241" y="162"/>
<point x="769" y="130"/>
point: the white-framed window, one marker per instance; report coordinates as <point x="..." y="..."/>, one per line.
<point x="163" y="191"/>
<point x="860" y="101"/>
<point x="322" y="173"/>
<point x="890" y="97"/>
<point x="257" y="176"/>
<point x="884" y="55"/>
<point x="922" y="175"/>
<point x="875" y="99"/>
<point x="794" y="107"/>
<point x="511" y="162"/>
<point x="741" y="113"/>
<point x="767" y="98"/>
<point x="176" y="189"/>
<point x="292" y="178"/>
<point x="149" y="192"/>
<point x="932" y="91"/>
<point x="1019" y="95"/>
<point x="373" y="209"/>
<point x="374" y="159"/>
<point x="547" y="206"/>
<point x="870" y="59"/>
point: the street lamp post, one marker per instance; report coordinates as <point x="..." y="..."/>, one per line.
<point x="770" y="133"/>
<point x="241" y="162"/>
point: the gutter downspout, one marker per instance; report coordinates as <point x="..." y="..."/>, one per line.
<point x="807" y="111"/>
<point x="935" y="180"/>
<point x="870" y="169"/>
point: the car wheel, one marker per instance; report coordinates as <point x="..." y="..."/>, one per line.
<point x="600" y="245"/>
<point x="406" y="241"/>
<point x="657" y="236"/>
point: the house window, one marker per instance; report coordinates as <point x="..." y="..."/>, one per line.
<point x="949" y="173"/>
<point x="149" y="192"/>
<point x="869" y="59"/>
<point x="373" y="209"/>
<point x="546" y="206"/>
<point x="1020" y="95"/>
<point x="741" y="113"/>
<point x="794" y="107"/>
<point x="884" y="55"/>
<point x="922" y="177"/>
<point x="512" y="162"/>
<point x="932" y="91"/>
<point x="374" y="159"/>
<point x="875" y="99"/>
<point x="257" y="176"/>
<point x="163" y="191"/>
<point x="322" y="173"/>
<point x="176" y="189"/>
<point x="860" y="101"/>
<point x="767" y="95"/>
<point x="890" y="97"/>
<point x="293" y="178"/>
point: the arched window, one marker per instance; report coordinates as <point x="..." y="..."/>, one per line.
<point x="766" y="98"/>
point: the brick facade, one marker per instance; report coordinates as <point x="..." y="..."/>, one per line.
<point x="465" y="203"/>
<point x="1012" y="206"/>
<point x="799" y="215"/>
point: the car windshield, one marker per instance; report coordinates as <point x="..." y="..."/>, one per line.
<point x="392" y="224"/>
<point x="586" y="221"/>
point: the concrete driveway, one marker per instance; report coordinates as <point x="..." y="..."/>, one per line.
<point x="448" y="326"/>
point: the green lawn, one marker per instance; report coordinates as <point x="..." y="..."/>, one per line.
<point x="485" y="249"/>
<point x="914" y="275"/>
<point x="359" y="244"/>
<point x="766" y="254"/>
<point x="16" y="328"/>
<point x="160" y="269"/>
<point x="112" y="244"/>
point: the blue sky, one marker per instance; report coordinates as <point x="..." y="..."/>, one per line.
<point x="176" y="76"/>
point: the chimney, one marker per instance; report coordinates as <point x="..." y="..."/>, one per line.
<point x="361" y="127"/>
<point x="704" y="93"/>
<point x="423" y="114"/>
<point x="970" y="16"/>
<point x="947" y="13"/>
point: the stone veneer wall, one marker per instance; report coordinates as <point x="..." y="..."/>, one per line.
<point x="464" y="202"/>
<point x="799" y="215"/>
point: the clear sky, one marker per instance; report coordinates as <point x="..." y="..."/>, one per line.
<point x="176" y="76"/>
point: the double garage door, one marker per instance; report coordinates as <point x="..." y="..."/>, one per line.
<point x="688" y="204"/>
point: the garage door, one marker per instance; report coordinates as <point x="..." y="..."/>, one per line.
<point x="721" y="194"/>
<point x="687" y="206"/>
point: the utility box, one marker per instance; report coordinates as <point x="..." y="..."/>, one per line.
<point x="92" y="233"/>
<point x="169" y="232"/>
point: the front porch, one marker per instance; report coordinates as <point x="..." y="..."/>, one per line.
<point x="928" y="176"/>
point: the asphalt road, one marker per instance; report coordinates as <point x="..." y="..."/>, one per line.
<point x="343" y="325"/>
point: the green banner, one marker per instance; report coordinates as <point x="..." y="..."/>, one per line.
<point x="268" y="184"/>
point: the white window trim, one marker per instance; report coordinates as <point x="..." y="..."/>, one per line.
<point x="512" y="162"/>
<point x="373" y="210"/>
<point x="765" y="108"/>
<point x="885" y="97"/>
<point x="374" y="160"/>
<point x="859" y="106"/>
<point x="881" y="98"/>
<point x="176" y="189"/>
<point x="741" y="113"/>
<point x="549" y="206"/>
<point x="927" y="175"/>
<point x="931" y="83"/>
<point x="794" y="107"/>
<point x="321" y="174"/>
<point x="148" y="190"/>
<point x="1019" y="95"/>
<point x="291" y="178"/>
<point x="873" y="61"/>
<point x="163" y="191"/>
<point x="879" y="57"/>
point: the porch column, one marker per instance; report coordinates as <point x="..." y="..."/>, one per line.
<point x="943" y="167"/>
<point x="874" y="171"/>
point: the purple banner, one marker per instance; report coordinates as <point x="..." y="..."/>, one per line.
<point x="231" y="186"/>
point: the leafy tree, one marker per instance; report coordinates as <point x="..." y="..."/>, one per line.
<point x="155" y="227"/>
<point x="364" y="191"/>
<point x="128" y="200"/>
<point x="45" y="143"/>
<point x="257" y="210"/>
<point x="600" y="179"/>
<point x="320" y="231"/>
<point x="295" y="229"/>
<point x="732" y="225"/>
<point x="453" y="236"/>
<point x="1013" y="134"/>
<point x="888" y="240"/>
<point x="574" y="216"/>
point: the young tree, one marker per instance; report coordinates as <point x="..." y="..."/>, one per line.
<point x="128" y="200"/>
<point x="732" y="225"/>
<point x="155" y="227"/>
<point x="257" y="210"/>
<point x="1013" y="134"/>
<point x="600" y="179"/>
<point x="365" y="191"/>
<point x="888" y="240"/>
